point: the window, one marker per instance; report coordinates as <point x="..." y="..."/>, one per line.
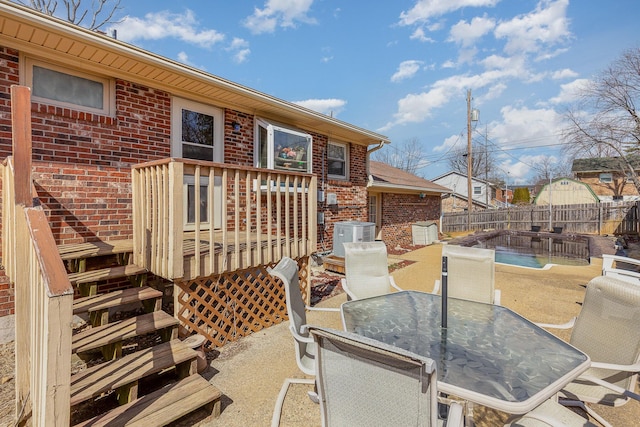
<point x="197" y="131"/>
<point x="68" y="88"/>
<point x="606" y="178"/>
<point x="337" y="159"/>
<point x="477" y="190"/>
<point x="282" y="148"/>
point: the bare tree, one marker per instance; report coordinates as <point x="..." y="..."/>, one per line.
<point x="605" y="122"/>
<point x="92" y="14"/>
<point x="482" y="162"/>
<point x="408" y="156"/>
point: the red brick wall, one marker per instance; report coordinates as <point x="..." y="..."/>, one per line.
<point x="400" y="211"/>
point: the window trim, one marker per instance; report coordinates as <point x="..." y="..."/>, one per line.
<point x="607" y="175"/>
<point x="344" y="177"/>
<point x="177" y="105"/>
<point x="477" y="190"/>
<point x="271" y="127"/>
<point x="108" y="86"/>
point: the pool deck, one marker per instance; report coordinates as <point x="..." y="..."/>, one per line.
<point x="251" y="371"/>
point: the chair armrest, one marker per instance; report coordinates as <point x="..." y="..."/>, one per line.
<point x="436" y="287"/>
<point x="617" y="389"/>
<point x="345" y="287"/>
<point x="393" y="284"/>
<point x="567" y="325"/>
<point x="496" y="296"/>
<point x="456" y="415"/>
<point x="616" y="367"/>
<point x="334" y="309"/>
<point x="298" y="335"/>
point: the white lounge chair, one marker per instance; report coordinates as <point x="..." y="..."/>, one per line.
<point x="620" y="267"/>
<point x="287" y="271"/>
<point x="470" y="274"/>
<point x="366" y="270"/>
<point x="363" y="382"/>
<point x="607" y="331"/>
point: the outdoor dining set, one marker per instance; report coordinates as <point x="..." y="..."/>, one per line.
<point x="415" y="358"/>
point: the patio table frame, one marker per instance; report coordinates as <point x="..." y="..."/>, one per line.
<point x="487" y="355"/>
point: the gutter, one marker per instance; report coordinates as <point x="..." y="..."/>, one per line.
<point x="368" y="156"/>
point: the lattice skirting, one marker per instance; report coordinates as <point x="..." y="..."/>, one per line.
<point x="229" y="306"/>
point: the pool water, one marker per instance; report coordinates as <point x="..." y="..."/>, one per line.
<point x="534" y="252"/>
<point x="535" y="261"/>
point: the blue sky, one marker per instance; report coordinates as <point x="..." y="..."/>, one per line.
<point x="403" y="67"/>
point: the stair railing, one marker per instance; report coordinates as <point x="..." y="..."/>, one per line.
<point x="43" y="294"/>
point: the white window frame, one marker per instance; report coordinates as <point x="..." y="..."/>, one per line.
<point x="271" y="127"/>
<point x="606" y="178"/>
<point x="345" y="160"/>
<point x="108" y="87"/>
<point x="477" y="190"/>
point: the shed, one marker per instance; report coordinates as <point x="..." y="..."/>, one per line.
<point x="565" y="191"/>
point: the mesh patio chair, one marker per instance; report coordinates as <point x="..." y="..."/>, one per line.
<point x="471" y="274"/>
<point x="363" y="382"/>
<point x="621" y="267"/>
<point x="366" y="270"/>
<point x="305" y="347"/>
<point x="550" y="414"/>
<point x="607" y="331"/>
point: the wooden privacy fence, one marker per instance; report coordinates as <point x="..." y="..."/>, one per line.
<point x="44" y="296"/>
<point x="594" y="218"/>
<point x="194" y="218"/>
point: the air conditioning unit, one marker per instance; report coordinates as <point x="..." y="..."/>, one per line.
<point x="351" y="231"/>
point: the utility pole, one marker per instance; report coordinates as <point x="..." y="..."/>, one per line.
<point x="469" y="161"/>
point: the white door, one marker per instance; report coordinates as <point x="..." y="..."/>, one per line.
<point x="197" y="132"/>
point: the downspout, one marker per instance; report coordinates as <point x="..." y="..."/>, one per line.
<point x="366" y="161"/>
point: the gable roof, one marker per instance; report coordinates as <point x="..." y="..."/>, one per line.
<point x="390" y="179"/>
<point x="463" y="175"/>
<point x="58" y="41"/>
<point x="602" y="164"/>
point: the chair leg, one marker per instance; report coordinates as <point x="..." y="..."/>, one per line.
<point x="277" y="411"/>
<point x="593" y="414"/>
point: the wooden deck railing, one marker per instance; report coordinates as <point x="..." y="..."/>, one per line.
<point x="247" y="217"/>
<point x="44" y="296"/>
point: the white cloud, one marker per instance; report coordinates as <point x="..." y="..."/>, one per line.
<point x="406" y="70"/>
<point x="569" y="92"/>
<point x="466" y="33"/>
<point x="546" y="25"/>
<point x="161" y="25"/>
<point x="424" y="10"/>
<point x="279" y="13"/>
<point x="564" y="74"/>
<point x="419" y="35"/>
<point x="240" y="49"/>
<point x="331" y="107"/>
<point x="525" y="127"/>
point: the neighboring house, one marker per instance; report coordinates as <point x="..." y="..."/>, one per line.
<point x="565" y="191"/>
<point x="398" y="199"/>
<point x="606" y="177"/>
<point x="131" y="106"/>
<point x="482" y="197"/>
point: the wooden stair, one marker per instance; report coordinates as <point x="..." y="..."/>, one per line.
<point x="120" y="375"/>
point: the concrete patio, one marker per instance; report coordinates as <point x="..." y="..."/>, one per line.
<point x="250" y="372"/>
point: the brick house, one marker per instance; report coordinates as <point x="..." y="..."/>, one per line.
<point x="131" y="106"/>
<point x="398" y="199"/>
<point x="606" y="177"/>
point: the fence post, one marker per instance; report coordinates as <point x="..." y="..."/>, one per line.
<point x="599" y="219"/>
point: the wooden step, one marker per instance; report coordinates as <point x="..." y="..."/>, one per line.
<point x="163" y="406"/>
<point x="109" y="337"/>
<point x="123" y="374"/>
<point x="98" y="305"/>
<point x="117" y="272"/>
<point x="94" y="249"/>
<point x="333" y="263"/>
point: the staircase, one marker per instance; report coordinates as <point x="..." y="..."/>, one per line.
<point x="152" y="386"/>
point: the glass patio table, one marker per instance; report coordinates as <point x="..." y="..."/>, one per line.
<point x="488" y="354"/>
